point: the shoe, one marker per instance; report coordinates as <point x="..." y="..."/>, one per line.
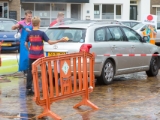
<point x="29" y="92"/>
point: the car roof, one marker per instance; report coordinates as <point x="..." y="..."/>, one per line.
<point x="129" y="21"/>
<point x="86" y="24"/>
<point x="7" y="19"/>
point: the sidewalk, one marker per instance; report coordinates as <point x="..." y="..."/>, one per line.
<point x="9" y="64"/>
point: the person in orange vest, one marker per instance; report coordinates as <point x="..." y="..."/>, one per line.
<point x="151" y="32"/>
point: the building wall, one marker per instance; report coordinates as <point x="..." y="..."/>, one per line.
<point x="143" y="8"/>
<point x="153" y="9"/>
<point x="14" y="5"/>
<point x="90" y="6"/>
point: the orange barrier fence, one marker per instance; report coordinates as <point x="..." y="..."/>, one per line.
<point x="75" y="78"/>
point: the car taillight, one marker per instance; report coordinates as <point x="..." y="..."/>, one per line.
<point x="85" y="47"/>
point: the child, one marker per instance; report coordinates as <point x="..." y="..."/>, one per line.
<point x="36" y="37"/>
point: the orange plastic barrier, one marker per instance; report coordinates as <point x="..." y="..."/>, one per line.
<point x="76" y="79"/>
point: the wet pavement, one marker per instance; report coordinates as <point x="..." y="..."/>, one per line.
<point x="130" y="97"/>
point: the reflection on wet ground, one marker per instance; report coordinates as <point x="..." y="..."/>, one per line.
<point x="130" y="97"/>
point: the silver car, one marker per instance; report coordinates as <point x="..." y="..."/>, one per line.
<point x="104" y="38"/>
<point x="140" y="27"/>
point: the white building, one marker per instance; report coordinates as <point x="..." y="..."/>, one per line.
<point x="87" y="9"/>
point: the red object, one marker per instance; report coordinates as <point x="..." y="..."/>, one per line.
<point x="74" y="80"/>
<point x="149" y="17"/>
<point x="130" y="55"/>
<point x="53" y="23"/>
<point x="85" y="47"/>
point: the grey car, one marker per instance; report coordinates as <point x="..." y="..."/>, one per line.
<point x="104" y="38"/>
<point x="140" y="27"/>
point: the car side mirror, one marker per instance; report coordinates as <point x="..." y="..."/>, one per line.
<point x="145" y="38"/>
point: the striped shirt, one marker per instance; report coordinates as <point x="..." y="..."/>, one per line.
<point x="36" y="37"/>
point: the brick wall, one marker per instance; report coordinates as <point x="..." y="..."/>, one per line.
<point x="153" y="9"/>
<point x="14" y="5"/>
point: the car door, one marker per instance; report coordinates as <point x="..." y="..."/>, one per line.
<point x="119" y="45"/>
<point x="137" y="47"/>
<point x="100" y="46"/>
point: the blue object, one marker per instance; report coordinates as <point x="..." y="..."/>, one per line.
<point x="24" y="54"/>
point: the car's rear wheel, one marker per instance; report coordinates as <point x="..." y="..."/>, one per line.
<point x="153" y="70"/>
<point x="107" y="74"/>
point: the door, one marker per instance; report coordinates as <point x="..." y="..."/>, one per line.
<point x="76" y="11"/>
<point x="119" y="45"/>
<point x="1" y="10"/>
<point x="133" y="12"/>
<point x="137" y="47"/>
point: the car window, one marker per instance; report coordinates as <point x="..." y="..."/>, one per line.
<point x="133" y="24"/>
<point x="100" y="34"/>
<point x="138" y="26"/>
<point x="116" y="33"/>
<point x="6" y="25"/>
<point x="131" y="35"/>
<point x="158" y="25"/>
<point x="126" y="24"/>
<point x="108" y="35"/>
<point x="74" y="35"/>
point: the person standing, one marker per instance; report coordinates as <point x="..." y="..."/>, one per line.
<point x="24" y="26"/>
<point x="36" y="37"/>
<point x="60" y="18"/>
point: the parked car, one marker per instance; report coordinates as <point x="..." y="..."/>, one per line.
<point x="7" y="35"/>
<point x="141" y="26"/>
<point x="101" y="38"/>
<point x="129" y="23"/>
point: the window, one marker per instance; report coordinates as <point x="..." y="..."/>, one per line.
<point x="107" y="11"/>
<point x="100" y="34"/>
<point x="74" y="35"/>
<point x="134" y="24"/>
<point x="116" y="34"/>
<point x="126" y="24"/>
<point x="7" y="25"/>
<point x="158" y="25"/>
<point x="43" y="11"/>
<point x="158" y="13"/>
<point x="96" y="11"/>
<point x="131" y="35"/>
<point x="5" y="10"/>
<point x="118" y="11"/>
<point x="26" y="6"/>
<point x="58" y="8"/>
<point x="108" y="35"/>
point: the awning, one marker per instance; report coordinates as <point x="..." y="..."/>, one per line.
<point x="155" y="5"/>
<point x="65" y="1"/>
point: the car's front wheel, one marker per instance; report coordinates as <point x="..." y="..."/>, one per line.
<point x="153" y="70"/>
<point x="107" y="74"/>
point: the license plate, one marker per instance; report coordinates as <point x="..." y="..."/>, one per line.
<point x="6" y="44"/>
<point x="55" y="53"/>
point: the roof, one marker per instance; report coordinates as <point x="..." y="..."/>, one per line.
<point x="7" y="19"/>
<point x="86" y="23"/>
